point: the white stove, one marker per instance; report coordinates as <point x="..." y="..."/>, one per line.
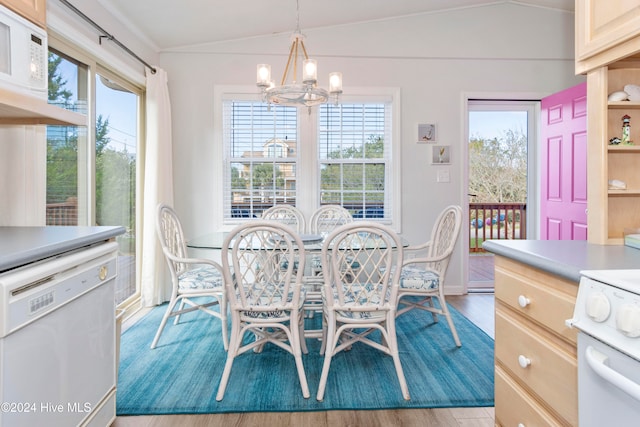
<point x="608" y="308"/>
<point x="607" y="315"/>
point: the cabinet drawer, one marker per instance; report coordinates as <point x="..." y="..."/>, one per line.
<point x="548" y="300"/>
<point x="551" y="372"/>
<point x="514" y="406"/>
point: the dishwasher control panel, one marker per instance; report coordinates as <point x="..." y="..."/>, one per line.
<point x="33" y="291"/>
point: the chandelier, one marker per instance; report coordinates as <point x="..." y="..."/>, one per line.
<point x="304" y="92"/>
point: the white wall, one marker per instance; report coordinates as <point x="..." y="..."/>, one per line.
<point x="23" y="157"/>
<point x="435" y="59"/>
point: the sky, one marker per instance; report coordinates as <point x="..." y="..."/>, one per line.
<point x="120" y="107"/>
<point x="491" y="124"/>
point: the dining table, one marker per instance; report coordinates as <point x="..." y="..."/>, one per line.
<point x="313" y="279"/>
<point x="212" y="243"/>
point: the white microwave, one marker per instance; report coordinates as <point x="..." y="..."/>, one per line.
<point x="23" y="55"/>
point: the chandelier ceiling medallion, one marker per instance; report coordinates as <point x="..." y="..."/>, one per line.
<point x="304" y="92"/>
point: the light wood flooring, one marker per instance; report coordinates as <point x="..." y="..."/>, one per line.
<point x="476" y="307"/>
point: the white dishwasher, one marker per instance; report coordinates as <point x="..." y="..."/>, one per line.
<point x="57" y="340"/>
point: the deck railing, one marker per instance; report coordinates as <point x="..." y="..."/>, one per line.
<point x="65" y="213"/>
<point x="486" y="220"/>
<point x="496" y="221"/>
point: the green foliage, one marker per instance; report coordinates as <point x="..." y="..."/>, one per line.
<point x="115" y="171"/>
<point x="267" y="175"/>
<point x="62" y="170"/>
<point x="102" y="139"/>
<point x="115" y="188"/>
<point x="498" y="168"/>
<point x="56" y="90"/>
<point x="236" y="180"/>
<point x="359" y="182"/>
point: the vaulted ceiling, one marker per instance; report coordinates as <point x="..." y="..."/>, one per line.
<point x="167" y="24"/>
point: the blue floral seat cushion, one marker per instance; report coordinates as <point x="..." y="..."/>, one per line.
<point x="261" y="295"/>
<point x="285" y="265"/>
<point x="200" y="278"/>
<point x="350" y="299"/>
<point x="418" y="279"/>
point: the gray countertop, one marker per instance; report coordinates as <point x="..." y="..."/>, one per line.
<point x="22" y="245"/>
<point x="566" y="258"/>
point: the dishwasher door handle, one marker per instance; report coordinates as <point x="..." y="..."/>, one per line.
<point x="597" y="361"/>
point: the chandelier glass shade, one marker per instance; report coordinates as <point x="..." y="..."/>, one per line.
<point x="291" y="91"/>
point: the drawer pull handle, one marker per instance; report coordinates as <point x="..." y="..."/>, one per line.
<point x="523" y="301"/>
<point x="524" y="362"/>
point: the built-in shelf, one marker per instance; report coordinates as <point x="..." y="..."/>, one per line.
<point x="19" y="109"/>
<point x="632" y="192"/>
<point x="623" y="104"/>
<point x="629" y="148"/>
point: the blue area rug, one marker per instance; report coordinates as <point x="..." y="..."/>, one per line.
<point x="181" y="375"/>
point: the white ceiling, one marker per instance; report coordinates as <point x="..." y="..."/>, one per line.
<point x="167" y="24"/>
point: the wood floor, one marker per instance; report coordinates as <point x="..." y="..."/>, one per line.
<point x="476" y="307"/>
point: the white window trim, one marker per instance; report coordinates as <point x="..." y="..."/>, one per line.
<point x="307" y="201"/>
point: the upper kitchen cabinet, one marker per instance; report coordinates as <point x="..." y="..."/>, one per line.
<point x="606" y="30"/>
<point x="33" y="10"/>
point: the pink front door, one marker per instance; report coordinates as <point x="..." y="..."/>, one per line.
<point x="563" y="193"/>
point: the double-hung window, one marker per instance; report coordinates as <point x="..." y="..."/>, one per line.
<point x="261" y="157"/>
<point x="345" y="154"/>
<point x="355" y="158"/>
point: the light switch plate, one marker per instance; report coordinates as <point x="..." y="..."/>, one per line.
<point x="443" y="176"/>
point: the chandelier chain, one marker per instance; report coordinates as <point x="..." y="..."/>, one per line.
<point x="298" y="16"/>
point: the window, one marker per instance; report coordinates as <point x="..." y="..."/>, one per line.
<point x="346" y="152"/>
<point x="261" y="157"/>
<point x="66" y="144"/>
<point x="354" y="156"/>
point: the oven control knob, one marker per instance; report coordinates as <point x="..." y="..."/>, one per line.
<point x="628" y="320"/>
<point x="598" y="307"/>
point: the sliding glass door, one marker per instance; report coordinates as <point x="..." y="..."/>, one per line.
<point x="116" y="156"/>
<point x="92" y="171"/>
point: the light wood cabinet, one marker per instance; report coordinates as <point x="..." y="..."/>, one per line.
<point x="19" y="109"/>
<point x="605" y="31"/>
<point x="535" y="352"/>
<point x="610" y="211"/>
<point x="33" y="10"/>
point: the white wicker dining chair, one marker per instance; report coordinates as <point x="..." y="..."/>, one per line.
<point x="327" y="218"/>
<point x="265" y="299"/>
<point x="360" y="302"/>
<point x="196" y="282"/>
<point x="322" y="222"/>
<point x="288" y="215"/>
<point x="424" y="275"/>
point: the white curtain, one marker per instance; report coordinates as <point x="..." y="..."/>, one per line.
<point x="158" y="187"/>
